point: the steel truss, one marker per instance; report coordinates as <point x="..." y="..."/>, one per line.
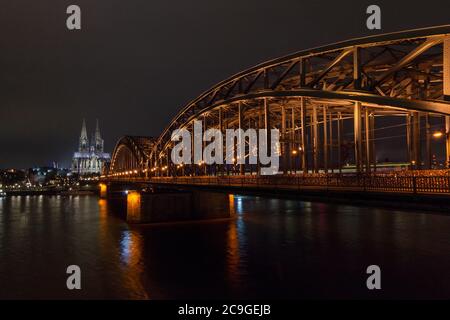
<point x="314" y="97"/>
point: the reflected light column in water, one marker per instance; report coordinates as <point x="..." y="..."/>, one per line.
<point x="231" y="204"/>
<point x="235" y="244"/>
<point x="129" y="251"/>
<point x="131" y="246"/>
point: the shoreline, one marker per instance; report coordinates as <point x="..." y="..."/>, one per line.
<point x="49" y="193"/>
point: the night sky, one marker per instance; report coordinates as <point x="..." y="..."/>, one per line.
<point x="135" y="63"/>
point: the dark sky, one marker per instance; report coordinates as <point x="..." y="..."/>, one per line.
<point x="135" y="63"/>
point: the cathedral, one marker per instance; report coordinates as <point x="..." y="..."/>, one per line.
<point x="90" y="157"/>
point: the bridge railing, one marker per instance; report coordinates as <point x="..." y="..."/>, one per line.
<point x="357" y="182"/>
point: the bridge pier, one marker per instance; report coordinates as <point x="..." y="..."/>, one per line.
<point x="103" y="190"/>
<point x="173" y="206"/>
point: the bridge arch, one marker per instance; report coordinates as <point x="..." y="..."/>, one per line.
<point x="326" y="103"/>
<point x="131" y="155"/>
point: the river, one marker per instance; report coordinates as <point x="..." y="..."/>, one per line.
<point x="274" y="248"/>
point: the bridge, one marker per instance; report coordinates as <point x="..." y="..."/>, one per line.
<point x="338" y="108"/>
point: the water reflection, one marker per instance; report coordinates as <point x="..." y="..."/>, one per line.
<point x="272" y="248"/>
<point x="236" y="252"/>
<point x="131" y="249"/>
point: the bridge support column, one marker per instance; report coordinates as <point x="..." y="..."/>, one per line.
<point x="204" y="166"/>
<point x="357" y="110"/>
<point x="267" y="125"/>
<point x="292" y="145"/>
<point x="303" y="146"/>
<point x="339" y="141"/>
<point x="103" y="190"/>
<point x="446" y="69"/>
<point x="447" y="140"/>
<point x="416" y="160"/>
<point x="134" y="207"/>
<point x="330" y="144"/>
<point x="259" y="122"/>
<point x="413" y="139"/>
<point x="373" y="157"/>
<point x="325" y="140"/>
<point x="168" y="166"/>
<point x="171" y="206"/>
<point x="367" y="139"/>
<point x="239" y="143"/>
<point x="408" y="138"/>
<point x="315" y="138"/>
<point x="193" y="166"/>
<point x="284" y="151"/>
<point x="428" y="160"/>
<point x="221" y="166"/>
<point x="357" y="136"/>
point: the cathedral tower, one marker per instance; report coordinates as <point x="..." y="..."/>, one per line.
<point x="90" y="158"/>
<point x="84" y="141"/>
<point x="98" y="138"/>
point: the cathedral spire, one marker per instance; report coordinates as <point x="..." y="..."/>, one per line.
<point x="98" y="138"/>
<point x="84" y="141"/>
<point x="90" y="159"/>
<point x="97" y="131"/>
<point x="83" y="131"/>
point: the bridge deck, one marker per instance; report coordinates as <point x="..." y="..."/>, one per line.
<point x="412" y="184"/>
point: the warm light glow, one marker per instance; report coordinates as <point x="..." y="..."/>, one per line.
<point x="294" y="152"/>
<point x="231" y="204"/>
<point x="438" y="134"/>
<point x="133" y="206"/>
<point x="103" y="189"/>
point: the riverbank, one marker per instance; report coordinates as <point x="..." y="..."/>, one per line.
<point x="50" y="193"/>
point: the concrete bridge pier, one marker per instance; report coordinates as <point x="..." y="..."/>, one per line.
<point x="103" y="190"/>
<point x="166" y="206"/>
<point x="143" y="204"/>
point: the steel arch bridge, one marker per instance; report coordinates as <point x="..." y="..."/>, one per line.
<point x="131" y="155"/>
<point x="317" y="98"/>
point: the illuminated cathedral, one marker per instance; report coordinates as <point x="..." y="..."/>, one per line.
<point x="90" y="157"/>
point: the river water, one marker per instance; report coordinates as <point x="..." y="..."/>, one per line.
<point x="275" y="248"/>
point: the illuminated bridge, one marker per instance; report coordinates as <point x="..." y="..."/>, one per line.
<point x="342" y="110"/>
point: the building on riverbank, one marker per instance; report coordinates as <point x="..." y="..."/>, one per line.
<point x="90" y="157"/>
